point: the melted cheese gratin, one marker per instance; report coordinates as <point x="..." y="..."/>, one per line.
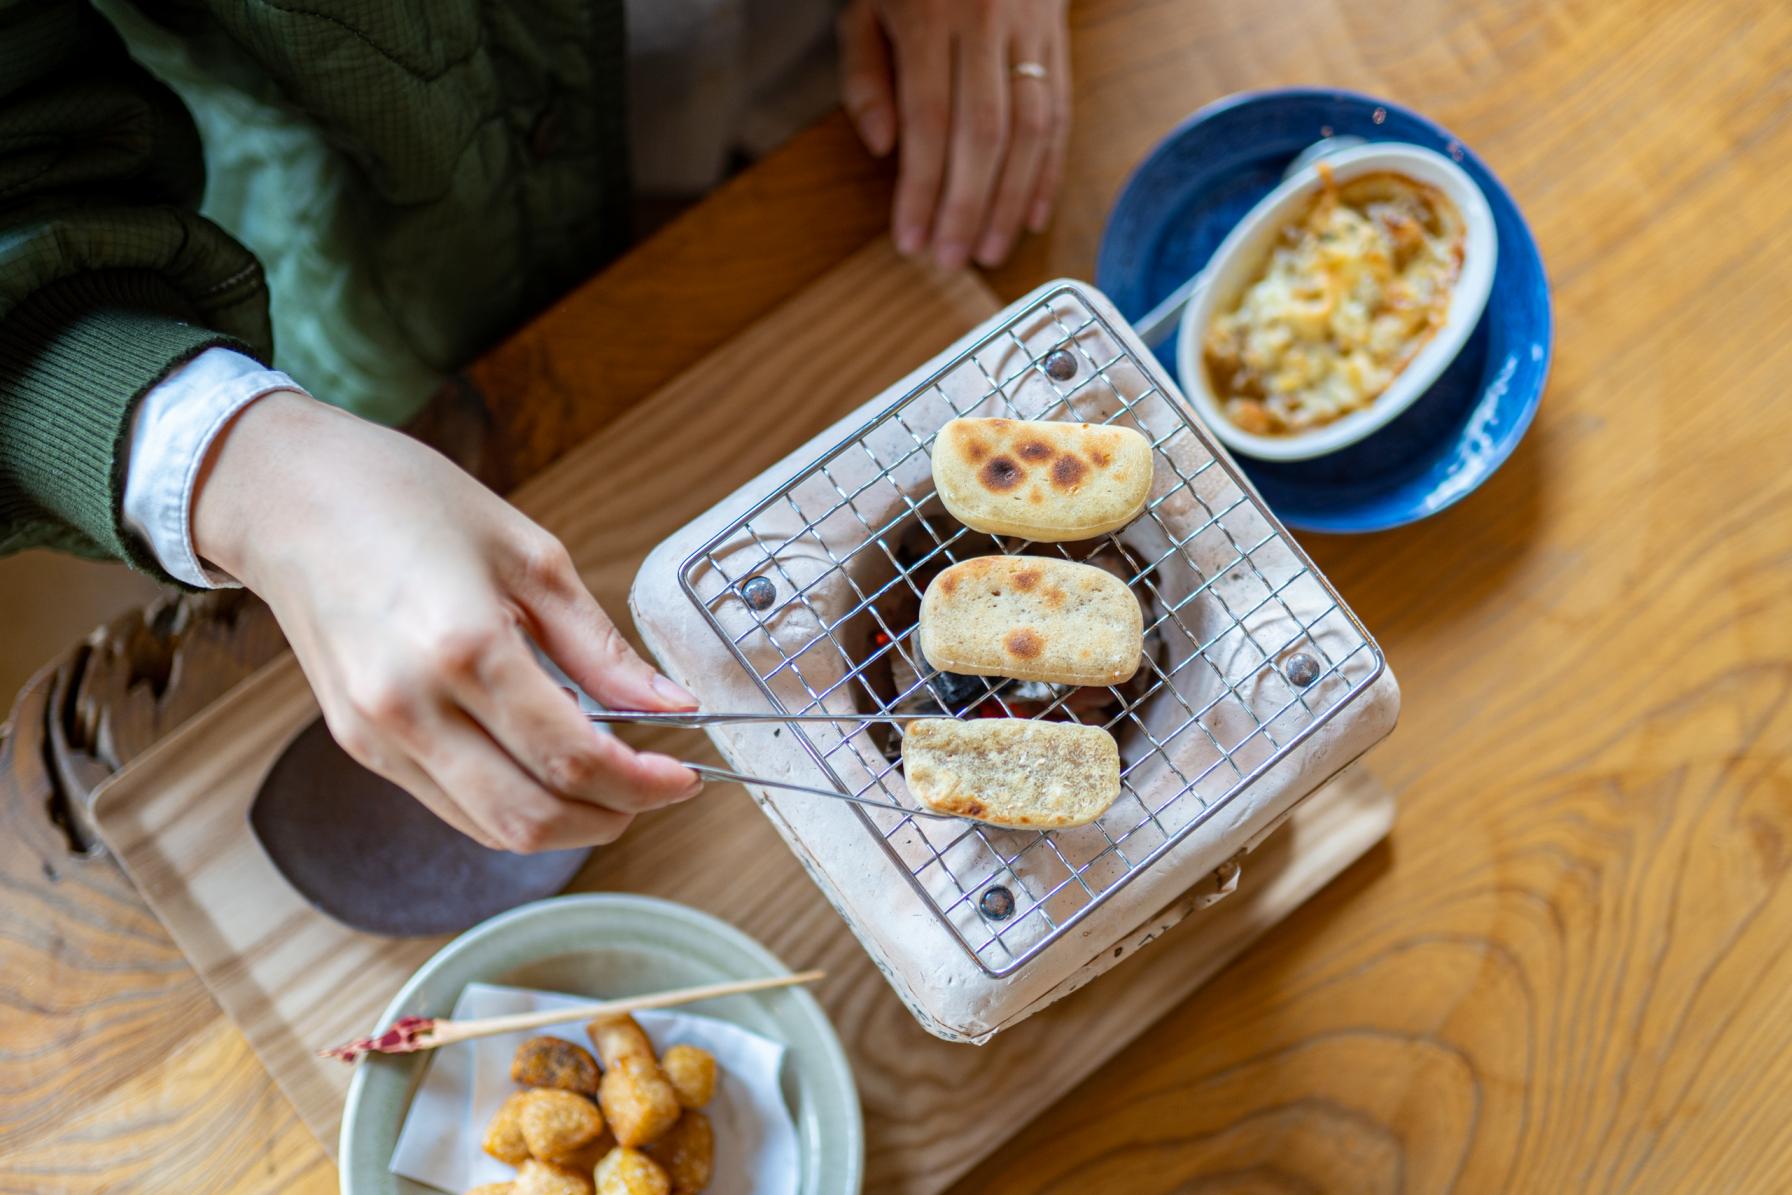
<point x="1351" y="291"/>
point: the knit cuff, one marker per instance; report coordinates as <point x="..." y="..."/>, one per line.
<point x="75" y="357"/>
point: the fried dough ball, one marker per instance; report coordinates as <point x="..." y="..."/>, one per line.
<point x="619" y="1037"/>
<point x="504" y="1136"/>
<point x="552" y="1062"/>
<point x="687" y="1152"/>
<point x="586" y="1157"/>
<point x="637" y="1100"/>
<point x="536" y="1177"/>
<point x="555" y="1123"/>
<point x="491" y="1189"/>
<point x="627" y="1171"/>
<point x="692" y="1072"/>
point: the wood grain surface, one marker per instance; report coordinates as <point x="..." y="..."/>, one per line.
<point x="1571" y="970"/>
<point x="293" y="979"/>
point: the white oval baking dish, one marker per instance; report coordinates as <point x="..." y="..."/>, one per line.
<point x="1245" y="248"/>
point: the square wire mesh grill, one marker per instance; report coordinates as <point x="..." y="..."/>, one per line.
<point x="1249" y="649"/>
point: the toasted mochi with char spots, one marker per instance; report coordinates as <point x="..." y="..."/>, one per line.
<point x="1012" y="772"/>
<point x="1043" y="480"/>
<point x="1032" y="618"/>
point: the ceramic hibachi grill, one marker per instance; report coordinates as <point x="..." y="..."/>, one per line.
<point x="802" y="589"/>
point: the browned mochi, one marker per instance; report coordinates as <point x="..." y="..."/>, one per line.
<point x="1044" y="480"/>
<point x="1032" y="618"/>
<point x="1012" y="772"/>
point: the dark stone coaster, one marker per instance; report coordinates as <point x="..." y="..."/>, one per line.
<point x="363" y="851"/>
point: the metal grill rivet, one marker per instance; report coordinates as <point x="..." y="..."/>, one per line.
<point x="758" y="592"/>
<point x="1060" y="366"/>
<point x="1301" y="668"/>
<point x="996" y="903"/>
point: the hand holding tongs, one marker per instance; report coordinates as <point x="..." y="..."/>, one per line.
<point x="695" y="719"/>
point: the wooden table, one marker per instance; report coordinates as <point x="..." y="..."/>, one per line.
<point x="1572" y="970"/>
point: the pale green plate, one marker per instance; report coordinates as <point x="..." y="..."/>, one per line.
<point x="609" y="945"/>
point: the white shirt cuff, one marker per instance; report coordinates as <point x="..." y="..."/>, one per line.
<point x="171" y="432"/>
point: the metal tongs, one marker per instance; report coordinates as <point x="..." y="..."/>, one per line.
<point x="696" y="720"/>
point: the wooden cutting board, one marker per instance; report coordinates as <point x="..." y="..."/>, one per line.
<point x="294" y="980"/>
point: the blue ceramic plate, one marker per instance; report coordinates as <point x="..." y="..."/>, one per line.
<point x="1184" y="198"/>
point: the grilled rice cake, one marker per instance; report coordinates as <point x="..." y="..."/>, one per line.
<point x="1032" y="618"/>
<point x="1046" y="481"/>
<point x="1012" y="772"/>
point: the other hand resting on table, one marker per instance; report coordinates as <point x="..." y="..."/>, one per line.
<point x="976" y="93"/>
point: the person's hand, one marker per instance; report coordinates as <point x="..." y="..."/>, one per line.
<point x="404" y="587"/>
<point x="956" y="84"/>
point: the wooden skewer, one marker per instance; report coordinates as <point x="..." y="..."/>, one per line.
<point x="410" y="1034"/>
<point x="452" y="1031"/>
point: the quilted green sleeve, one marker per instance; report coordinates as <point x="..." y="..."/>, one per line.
<point x="109" y="278"/>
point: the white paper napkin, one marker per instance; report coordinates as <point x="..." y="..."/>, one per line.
<point x="756" y="1147"/>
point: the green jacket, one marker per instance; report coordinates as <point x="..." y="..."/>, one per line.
<point x="482" y="148"/>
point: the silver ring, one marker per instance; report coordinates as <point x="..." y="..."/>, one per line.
<point x="1028" y="70"/>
